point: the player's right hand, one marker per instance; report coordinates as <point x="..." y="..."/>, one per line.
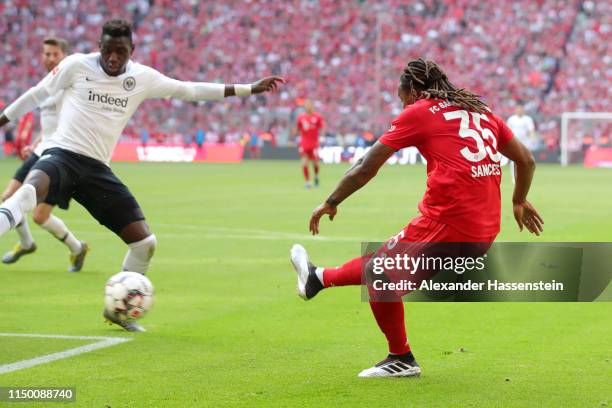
<point x="318" y="213"/>
<point x="526" y="215"/>
<point x="267" y="84"/>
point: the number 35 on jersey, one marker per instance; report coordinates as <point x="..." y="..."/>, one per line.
<point x="479" y="135"/>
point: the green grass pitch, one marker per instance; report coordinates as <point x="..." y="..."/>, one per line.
<point x="228" y="330"/>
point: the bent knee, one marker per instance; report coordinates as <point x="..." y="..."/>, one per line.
<point x="40" y="181"/>
<point x="40" y="216"/>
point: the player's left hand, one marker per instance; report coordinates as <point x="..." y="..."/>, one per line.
<point x="267" y="84"/>
<point x="527" y="216"/>
<point x="27" y="151"/>
<point x="318" y="213"/>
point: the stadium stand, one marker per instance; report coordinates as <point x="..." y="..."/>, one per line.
<point x="346" y="55"/>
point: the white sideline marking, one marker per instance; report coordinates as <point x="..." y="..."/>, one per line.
<point x="47" y="358"/>
<point x="250" y="237"/>
<point x="215" y="232"/>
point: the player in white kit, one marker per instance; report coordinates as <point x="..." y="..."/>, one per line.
<point x="54" y="51"/>
<point x="523" y="128"/>
<point x="101" y="92"/>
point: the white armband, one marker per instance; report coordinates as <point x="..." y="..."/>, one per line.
<point x="242" y="89"/>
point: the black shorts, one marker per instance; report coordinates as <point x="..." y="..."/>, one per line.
<point x="26" y="166"/>
<point x="92" y="184"/>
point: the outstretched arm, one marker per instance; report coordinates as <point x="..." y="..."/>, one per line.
<point x="356" y="177"/>
<point x="165" y="87"/>
<point x="524" y="213"/>
<point x="24" y="104"/>
<point x="59" y="78"/>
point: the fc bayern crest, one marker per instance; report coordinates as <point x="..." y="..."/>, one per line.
<point x="129" y="83"/>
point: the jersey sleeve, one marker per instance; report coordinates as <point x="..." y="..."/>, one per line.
<point x="299" y="122"/>
<point x="27" y="102"/>
<point x="402" y="133"/>
<point x="530" y="124"/>
<point x="321" y="122"/>
<point x="62" y="76"/>
<point x="166" y="87"/>
<point x="58" y="79"/>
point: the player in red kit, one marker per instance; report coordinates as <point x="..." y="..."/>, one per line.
<point x="462" y="142"/>
<point x="309" y="124"/>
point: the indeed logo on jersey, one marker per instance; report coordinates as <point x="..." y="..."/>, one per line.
<point x="107" y="99"/>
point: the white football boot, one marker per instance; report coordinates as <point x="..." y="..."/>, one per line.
<point x="308" y="284"/>
<point x="392" y="366"/>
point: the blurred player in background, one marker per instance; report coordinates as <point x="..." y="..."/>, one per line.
<point x="101" y="92"/>
<point x="461" y="140"/>
<point x="523" y="128"/>
<point x="254" y="143"/>
<point x="54" y="51"/>
<point x="309" y="125"/>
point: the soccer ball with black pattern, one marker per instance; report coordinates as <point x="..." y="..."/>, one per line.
<point x="128" y="295"/>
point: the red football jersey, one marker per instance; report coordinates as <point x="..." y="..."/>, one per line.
<point x="463" y="170"/>
<point x="309" y="126"/>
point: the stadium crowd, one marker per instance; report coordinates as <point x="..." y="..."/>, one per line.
<point x="346" y="55"/>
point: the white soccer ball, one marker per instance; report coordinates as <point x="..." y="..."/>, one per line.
<point x="128" y="295"/>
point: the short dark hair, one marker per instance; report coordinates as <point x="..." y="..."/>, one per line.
<point x="57" y="42"/>
<point x="117" y="28"/>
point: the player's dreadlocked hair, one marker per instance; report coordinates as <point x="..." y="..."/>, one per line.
<point x="428" y="80"/>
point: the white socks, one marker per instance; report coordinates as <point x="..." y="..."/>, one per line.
<point x="139" y="255"/>
<point x="12" y="211"/>
<point x="59" y="230"/>
<point x="319" y="273"/>
<point x="13" y="215"/>
<point x="25" y="236"/>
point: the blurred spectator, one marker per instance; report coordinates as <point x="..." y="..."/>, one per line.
<point x="346" y="54"/>
<point x="144" y="137"/>
<point x="199" y="138"/>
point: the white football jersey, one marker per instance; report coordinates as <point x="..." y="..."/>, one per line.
<point x="49" y="116"/>
<point x="522" y="126"/>
<point x="95" y="106"/>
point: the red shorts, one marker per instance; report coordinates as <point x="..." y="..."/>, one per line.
<point x="424" y="229"/>
<point x="422" y="238"/>
<point x="311" y="153"/>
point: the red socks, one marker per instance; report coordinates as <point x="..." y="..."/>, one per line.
<point x="388" y="315"/>
<point x="307" y="172"/>
<point x="390" y="319"/>
<point x="345" y="275"/>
